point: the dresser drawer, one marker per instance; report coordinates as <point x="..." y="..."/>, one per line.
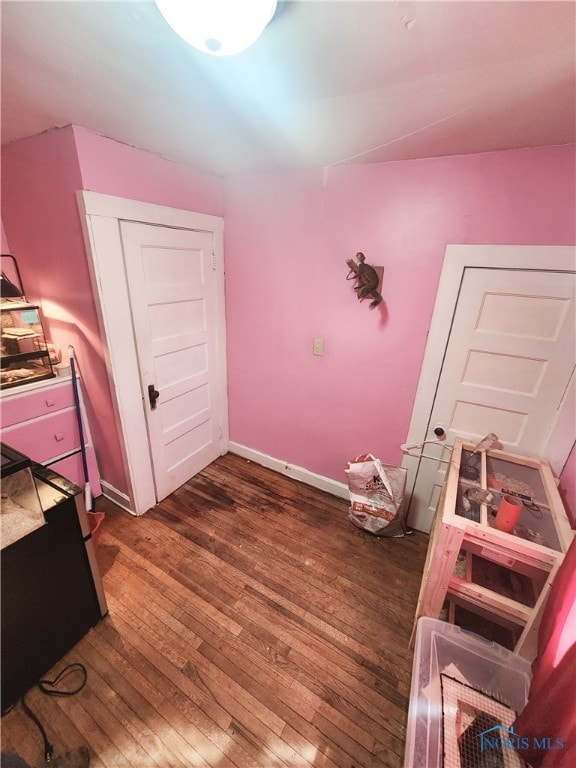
<point x="30" y="405"/>
<point x="44" y="438"/>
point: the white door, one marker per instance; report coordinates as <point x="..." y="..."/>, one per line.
<point x="173" y="298"/>
<point x="508" y="368"/>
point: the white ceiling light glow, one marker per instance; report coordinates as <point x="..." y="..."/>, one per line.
<point x="218" y="27"/>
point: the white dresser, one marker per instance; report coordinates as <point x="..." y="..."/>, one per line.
<point x="40" y="421"/>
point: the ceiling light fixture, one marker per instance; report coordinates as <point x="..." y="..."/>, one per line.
<point x="218" y="27"/>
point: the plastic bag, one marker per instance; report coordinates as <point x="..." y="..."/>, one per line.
<point x="376" y="496"/>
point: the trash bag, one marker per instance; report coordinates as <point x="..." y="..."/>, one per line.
<point x="376" y="496"/>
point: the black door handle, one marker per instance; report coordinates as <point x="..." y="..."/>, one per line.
<point x="153" y="395"/>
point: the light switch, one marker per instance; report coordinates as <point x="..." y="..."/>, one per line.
<point x="318" y="347"/>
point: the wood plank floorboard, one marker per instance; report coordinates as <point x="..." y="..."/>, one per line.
<point x="250" y="625"/>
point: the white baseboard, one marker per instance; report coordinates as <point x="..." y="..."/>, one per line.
<point x="298" y="473"/>
<point x="116" y="496"/>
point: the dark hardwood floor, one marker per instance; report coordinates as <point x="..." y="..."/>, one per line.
<point x="250" y="625"/>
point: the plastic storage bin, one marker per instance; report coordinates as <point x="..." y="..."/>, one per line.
<point x="487" y="667"/>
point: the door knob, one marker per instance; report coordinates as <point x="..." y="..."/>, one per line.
<point x="153" y="395"/>
<point x="439" y="431"/>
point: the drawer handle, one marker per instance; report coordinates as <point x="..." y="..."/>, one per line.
<point x="50" y="403"/>
<point x="59" y="436"/>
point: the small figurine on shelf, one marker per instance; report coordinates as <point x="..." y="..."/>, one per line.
<point x="368" y="278"/>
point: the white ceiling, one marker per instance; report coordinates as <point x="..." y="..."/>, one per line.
<point x="327" y="83"/>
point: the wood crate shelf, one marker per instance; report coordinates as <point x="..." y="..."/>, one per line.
<point x="503" y="577"/>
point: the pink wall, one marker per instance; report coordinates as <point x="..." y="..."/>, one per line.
<point x="40" y="178"/>
<point x="568" y="486"/>
<point x="5" y="246"/>
<point x="118" y="169"/>
<point x="8" y="265"/>
<point x="287" y="236"/>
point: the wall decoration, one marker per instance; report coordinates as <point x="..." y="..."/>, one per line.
<point x="369" y="279"/>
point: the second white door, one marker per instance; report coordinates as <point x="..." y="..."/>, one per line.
<point x="508" y="368"/>
<point x="178" y="322"/>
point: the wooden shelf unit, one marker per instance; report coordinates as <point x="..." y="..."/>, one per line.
<point x="503" y="577"/>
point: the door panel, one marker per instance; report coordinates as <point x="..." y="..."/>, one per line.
<point x="508" y="362"/>
<point x="173" y="299"/>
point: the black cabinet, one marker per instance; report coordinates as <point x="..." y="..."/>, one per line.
<point x="51" y="589"/>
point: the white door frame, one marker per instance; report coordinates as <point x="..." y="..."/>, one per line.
<point x="100" y="215"/>
<point x="558" y="258"/>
